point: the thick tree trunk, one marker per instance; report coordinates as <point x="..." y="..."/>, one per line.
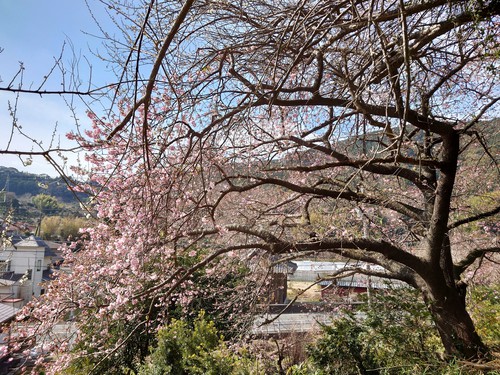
<point x="455" y="326"/>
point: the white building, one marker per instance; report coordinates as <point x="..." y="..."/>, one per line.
<point x="23" y="267"/>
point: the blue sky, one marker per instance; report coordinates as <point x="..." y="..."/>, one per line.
<point x="34" y="32"/>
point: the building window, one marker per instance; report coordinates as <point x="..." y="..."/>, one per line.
<point x="29" y="273"/>
<point x="39" y="265"/>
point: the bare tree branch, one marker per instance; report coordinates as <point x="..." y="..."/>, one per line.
<point x="462" y="265"/>
<point x="471" y="219"/>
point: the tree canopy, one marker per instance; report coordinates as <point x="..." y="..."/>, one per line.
<point x="263" y="131"/>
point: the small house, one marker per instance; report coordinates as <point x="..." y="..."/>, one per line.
<point x="24" y="266"/>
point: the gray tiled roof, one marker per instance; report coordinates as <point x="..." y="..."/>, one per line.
<point x="11" y="276"/>
<point x="15" y="238"/>
<point x="33" y="241"/>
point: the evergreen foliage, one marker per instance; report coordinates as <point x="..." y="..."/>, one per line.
<point x="22" y="183"/>
<point x="393" y="334"/>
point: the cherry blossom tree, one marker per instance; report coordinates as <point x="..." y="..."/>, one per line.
<point x="263" y="131"/>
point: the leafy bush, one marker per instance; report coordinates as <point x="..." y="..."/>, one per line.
<point x="484" y="305"/>
<point x="182" y="350"/>
<point x="393" y="334"/>
<point x="341" y="349"/>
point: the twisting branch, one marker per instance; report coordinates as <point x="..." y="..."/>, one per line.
<point x="413" y="212"/>
<point x="477" y="217"/>
<point x="462" y="265"/>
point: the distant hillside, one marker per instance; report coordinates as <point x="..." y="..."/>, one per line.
<point x="21" y="183"/>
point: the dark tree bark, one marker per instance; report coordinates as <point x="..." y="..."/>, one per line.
<point x="455" y="326"/>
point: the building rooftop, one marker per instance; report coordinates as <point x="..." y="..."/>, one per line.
<point x="7" y="278"/>
<point x="33" y="241"/>
<point x="323" y="266"/>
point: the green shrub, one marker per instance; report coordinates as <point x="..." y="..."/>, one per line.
<point x="484" y="302"/>
<point x="200" y="350"/>
<point x="393" y="334"/>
